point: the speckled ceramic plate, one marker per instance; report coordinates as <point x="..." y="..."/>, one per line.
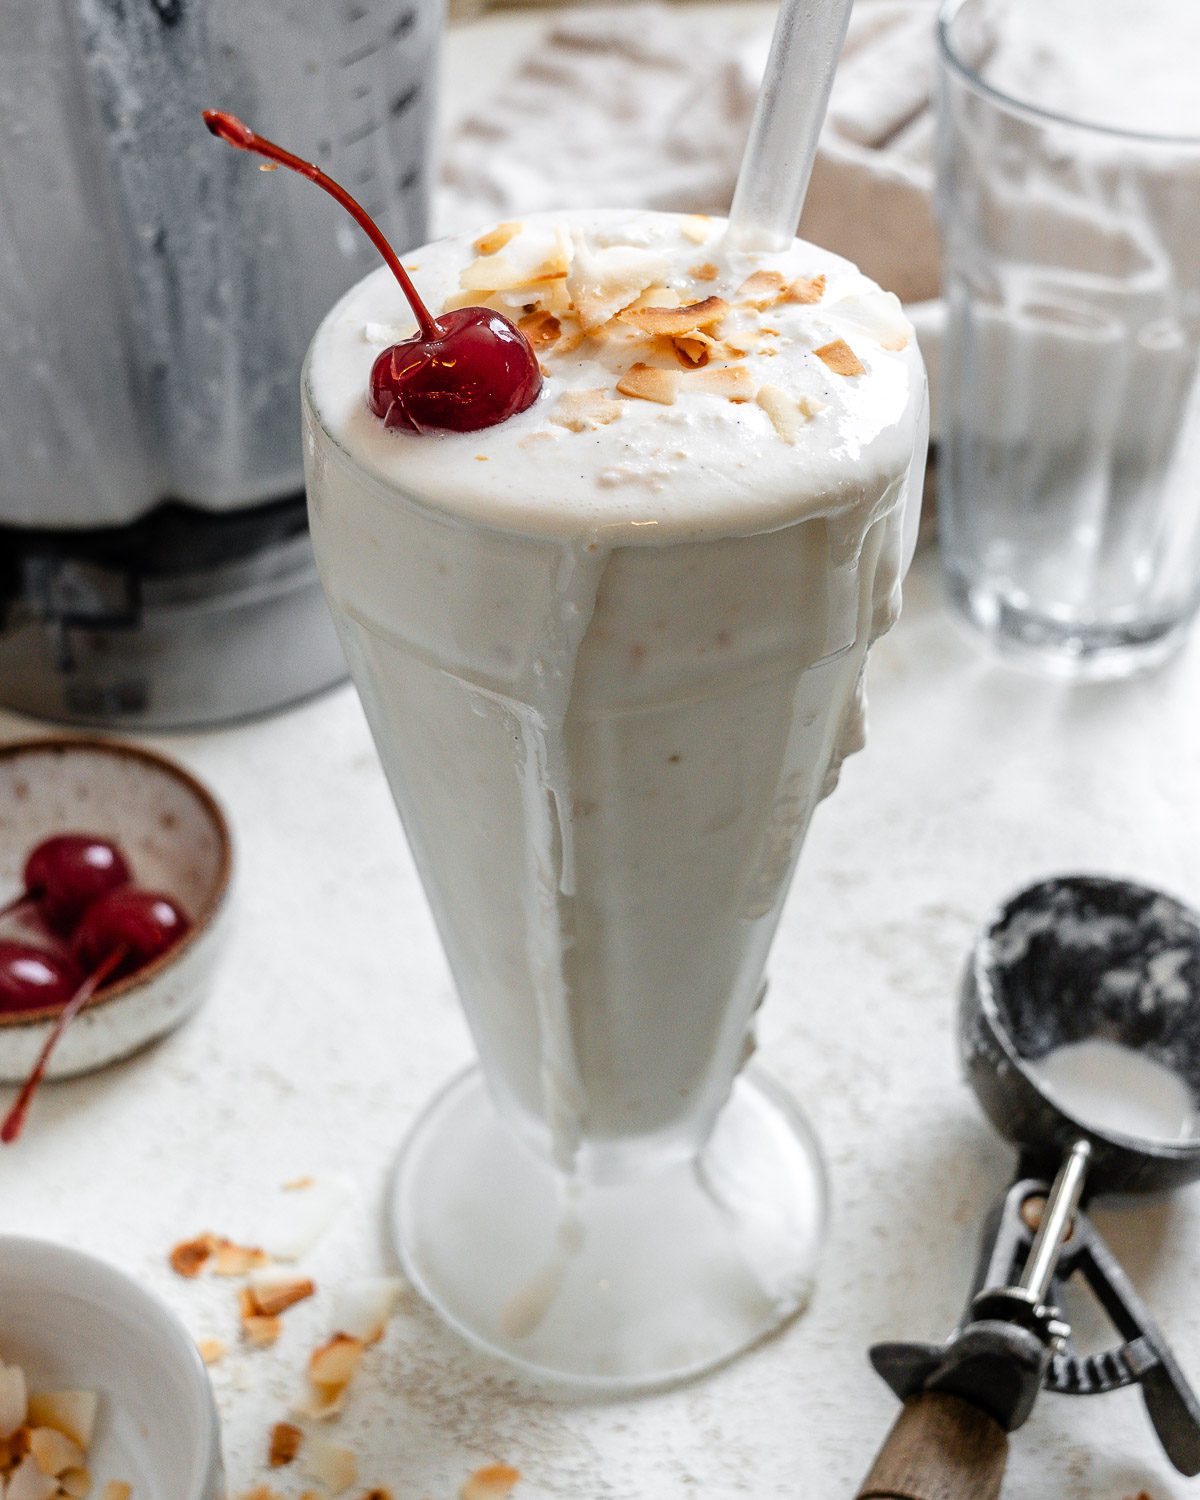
<point x="176" y="840"/>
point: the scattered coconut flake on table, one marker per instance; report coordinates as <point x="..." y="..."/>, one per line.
<point x="492" y="1482"/>
<point x="273" y="1290"/>
<point x="362" y="1307"/>
<point x="329" y="1463"/>
<point x="284" y="1444"/>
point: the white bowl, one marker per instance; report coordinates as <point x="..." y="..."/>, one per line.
<point x="177" y="841"/>
<point x="72" y="1322"/>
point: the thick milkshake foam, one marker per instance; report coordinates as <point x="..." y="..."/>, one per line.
<point x="611" y="662"/>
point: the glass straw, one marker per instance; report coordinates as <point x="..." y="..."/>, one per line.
<point x="792" y="100"/>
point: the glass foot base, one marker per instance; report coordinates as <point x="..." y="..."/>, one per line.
<point x="1054" y="648"/>
<point x="612" y="1288"/>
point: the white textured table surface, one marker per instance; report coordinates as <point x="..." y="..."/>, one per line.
<point x="333" y="1020"/>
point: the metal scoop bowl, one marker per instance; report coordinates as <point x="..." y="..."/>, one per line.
<point x="1067" y="960"/>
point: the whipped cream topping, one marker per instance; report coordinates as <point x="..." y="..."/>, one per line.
<point x="801" y="396"/>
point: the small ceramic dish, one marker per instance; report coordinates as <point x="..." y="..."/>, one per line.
<point x="176" y="840"/>
<point x="72" y="1322"/>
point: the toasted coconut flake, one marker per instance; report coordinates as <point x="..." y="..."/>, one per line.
<point x="696" y="227"/>
<point x="492" y="273"/>
<point x="239" y="1260"/>
<point x="648" y="383"/>
<point x="261" y="1492"/>
<point x="329" y="1464"/>
<point x="212" y="1351"/>
<point x="28" y="1482"/>
<point x="501" y="273"/>
<point x="706" y="271"/>
<point x="584" y="411"/>
<point x="297" y="1184"/>
<point x="189" y="1257"/>
<point x="54" y="1451"/>
<point x="14" y="1399"/>
<point x="336" y="1363"/>
<point x="672" y="321"/>
<point x="76" y="1482"/>
<point x="763" y="289"/>
<point x="807" y="289"/>
<point x="378" y="1493"/>
<point x="116" y="1489"/>
<point x="285" y="1444"/>
<point x="553" y="296"/>
<point x="321" y="1403"/>
<point x="73" y="1413"/>
<point x="363" y="1307"/>
<point x="876" y="315"/>
<point x="492" y="1482"/>
<point x="656" y="296"/>
<point x="275" y="1290"/>
<point x="496" y="239"/>
<point x="788" y="413"/>
<point x="603" y="281"/>
<point x="695" y="350"/>
<point x="542" y="329"/>
<point x="840" y="358"/>
<point x="259" y="1331"/>
<point x="734" y="382"/>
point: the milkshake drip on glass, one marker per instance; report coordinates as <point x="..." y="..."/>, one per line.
<point x="611" y="652"/>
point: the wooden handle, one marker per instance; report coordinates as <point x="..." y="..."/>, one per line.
<point x="941" y="1448"/>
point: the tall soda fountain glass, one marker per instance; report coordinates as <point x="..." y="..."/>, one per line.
<point x="611" y="652"/>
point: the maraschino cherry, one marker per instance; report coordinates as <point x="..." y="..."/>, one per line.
<point x="464" y="371"/>
<point x="140" y="924"/>
<point x="34" y="979"/>
<point x="121" y="932"/>
<point x="66" y="873"/>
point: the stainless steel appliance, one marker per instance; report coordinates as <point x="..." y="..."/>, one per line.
<point x="156" y="299"/>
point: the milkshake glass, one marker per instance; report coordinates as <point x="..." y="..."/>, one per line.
<point x="611" y="653"/>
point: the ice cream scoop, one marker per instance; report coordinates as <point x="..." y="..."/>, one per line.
<point x="1102" y="975"/>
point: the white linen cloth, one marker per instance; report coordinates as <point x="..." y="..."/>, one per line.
<point x="649" y="105"/>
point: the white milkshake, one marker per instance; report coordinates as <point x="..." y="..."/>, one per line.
<point x="612" y="649"/>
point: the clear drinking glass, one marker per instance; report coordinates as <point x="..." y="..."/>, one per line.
<point x="1069" y="473"/>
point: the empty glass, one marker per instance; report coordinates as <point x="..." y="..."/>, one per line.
<point x="1069" y="197"/>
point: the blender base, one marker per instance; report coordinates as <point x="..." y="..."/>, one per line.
<point x="179" y="620"/>
<point x="615" y="1288"/>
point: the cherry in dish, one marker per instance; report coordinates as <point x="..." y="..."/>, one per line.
<point x="65" y="873"/>
<point x="82" y="885"/>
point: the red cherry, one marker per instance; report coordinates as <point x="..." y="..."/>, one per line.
<point x="66" y="873"/>
<point x="120" y="933"/>
<point x="138" y="924"/>
<point x="462" y="372"/>
<point x="33" y="978"/>
<point x="480" y="373"/>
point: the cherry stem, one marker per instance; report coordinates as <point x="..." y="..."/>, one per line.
<point x="14" y="1121"/>
<point x="230" y="129"/>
